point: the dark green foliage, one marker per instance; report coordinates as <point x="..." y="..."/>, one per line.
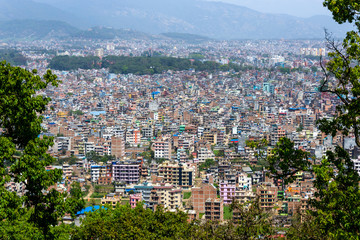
<point x="254" y="220"/>
<point x="284" y="70"/>
<point x="75" y="201"/>
<point x="18" y="103"/>
<point x="139" y="223"/>
<point x="93" y="156"/>
<point x="339" y="196"/>
<point x="77" y="112"/>
<point x="303" y="226"/>
<point x="40" y="209"/>
<point x="13" y="57"/>
<point x="138" y="65"/>
<point x="254" y="223"/>
<point x="259" y="148"/>
<point x="286" y="161"/>
<point x="187" y="195"/>
<point x="219" y="153"/>
<point x="207" y="164"/>
<point x="344" y="10"/>
<point x="196" y="56"/>
<point x="65" y="63"/>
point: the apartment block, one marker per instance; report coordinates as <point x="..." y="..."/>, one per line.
<point x="127" y="173"/>
<point x="166" y="195"/>
<point x="267" y="195"/>
<point x="177" y="174"/>
<point x="214" y="209"/>
<point x="200" y="194"/>
<point x="117" y="147"/>
<point x="227" y="192"/>
<point x="162" y="149"/>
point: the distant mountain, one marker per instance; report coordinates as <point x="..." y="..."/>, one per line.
<point x="212" y="19"/>
<point x="28" y="9"/>
<point x="36" y="29"/>
<point x="42" y="29"/>
<point x="111" y="33"/>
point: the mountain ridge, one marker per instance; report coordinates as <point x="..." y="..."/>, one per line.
<point x="211" y="19"/>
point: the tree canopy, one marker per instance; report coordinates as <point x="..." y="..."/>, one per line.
<point x="138" y="65"/>
<point x="39" y="207"/>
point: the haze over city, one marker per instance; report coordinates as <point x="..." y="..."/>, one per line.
<point x="179" y="119"/>
<point x="299" y="8"/>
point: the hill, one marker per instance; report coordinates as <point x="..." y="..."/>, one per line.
<point x="35" y="29"/>
<point x="212" y="19"/>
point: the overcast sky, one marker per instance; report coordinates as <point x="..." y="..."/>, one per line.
<point x="299" y="8"/>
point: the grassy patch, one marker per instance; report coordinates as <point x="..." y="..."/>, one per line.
<point x="93" y="202"/>
<point x="227" y="213"/>
<point x="104" y="188"/>
<point x="97" y="195"/>
<point x="187" y="195"/>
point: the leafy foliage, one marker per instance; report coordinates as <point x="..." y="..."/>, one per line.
<point x="40" y="208"/>
<point x="93" y="156"/>
<point x="339" y="194"/>
<point x="207" y="164"/>
<point x="137" y="65"/>
<point x="259" y="148"/>
<point x="285" y="161"/>
<point x="13" y="57"/>
<point x="72" y="62"/>
<point x="139" y="223"/>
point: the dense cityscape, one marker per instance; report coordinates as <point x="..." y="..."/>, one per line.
<point x="180" y="138"/>
<point x="118" y="134"/>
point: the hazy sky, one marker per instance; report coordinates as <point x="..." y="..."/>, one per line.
<point x="300" y="8"/>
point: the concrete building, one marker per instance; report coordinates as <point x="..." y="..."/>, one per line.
<point x="162" y="149"/>
<point x="227" y="192"/>
<point x="112" y="199"/>
<point x="97" y="171"/>
<point x="133" y="137"/>
<point x="166" y="195"/>
<point x="128" y="173"/>
<point x="214" y="209"/>
<point x="267" y="195"/>
<point x="117" y="147"/>
<point x="134" y="199"/>
<point x="145" y="191"/>
<point x="177" y="174"/>
<point x="200" y="194"/>
<point x="356" y="165"/>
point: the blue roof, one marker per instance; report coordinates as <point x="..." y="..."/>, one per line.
<point x="88" y="209"/>
<point x="97" y="113"/>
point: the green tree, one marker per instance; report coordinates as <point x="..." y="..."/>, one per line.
<point x="252" y="223"/>
<point x="123" y="222"/>
<point x="259" y="147"/>
<point x="38" y="209"/>
<point x="285" y="161"/>
<point x="338" y="193"/>
<point x="207" y="164"/>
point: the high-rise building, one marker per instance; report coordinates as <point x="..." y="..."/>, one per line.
<point x="177" y="174"/>
<point x="117" y="147"/>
